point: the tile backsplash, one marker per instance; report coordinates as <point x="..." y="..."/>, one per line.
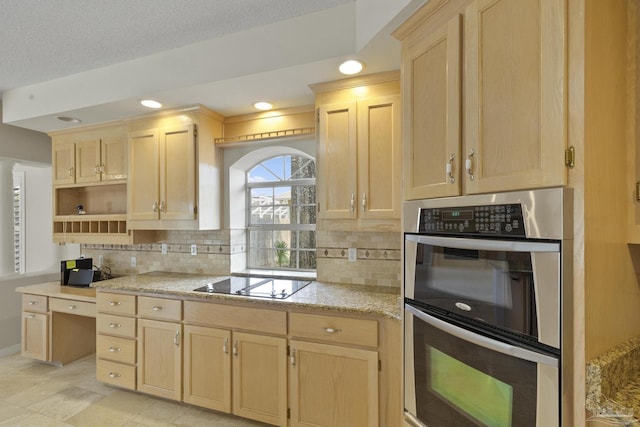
<point x="221" y="252"/>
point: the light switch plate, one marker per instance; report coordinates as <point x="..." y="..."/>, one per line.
<point x="134" y="262"/>
<point x="194" y="249"/>
<point x="353" y="254"/>
<point x="163" y="248"/>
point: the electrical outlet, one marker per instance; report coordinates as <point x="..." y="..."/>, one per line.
<point x="163" y="248"/>
<point x="353" y="254"/>
<point x="194" y="249"/>
<point x="134" y="262"/>
<point x="100" y="260"/>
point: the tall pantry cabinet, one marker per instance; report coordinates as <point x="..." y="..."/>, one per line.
<point x="547" y="97"/>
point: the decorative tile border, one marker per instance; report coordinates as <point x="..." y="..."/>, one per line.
<point x="363" y="253"/>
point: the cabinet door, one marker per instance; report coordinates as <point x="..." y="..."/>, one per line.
<point x="337" y="160"/>
<point x="333" y="386"/>
<point x="431" y="120"/>
<point x="144" y="175"/>
<point x="178" y="173"/>
<point x="515" y="94"/>
<point x="114" y="158"/>
<point x="160" y="358"/>
<point x="88" y="161"/>
<point x="207" y="367"/>
<point x="35" y="335"/>
<point x="64" y="156"/>
<point x="260" y="378"/>
<point x="379" y="162"/>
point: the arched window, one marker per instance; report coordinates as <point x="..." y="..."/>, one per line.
<point x="281" y="213"/>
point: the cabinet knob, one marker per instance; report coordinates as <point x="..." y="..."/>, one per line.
<point x="469" y="165"/>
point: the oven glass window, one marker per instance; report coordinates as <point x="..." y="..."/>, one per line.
<point x="461" y="384"/>
<point x="473" y="392"/>
<point x="494" y="287"/>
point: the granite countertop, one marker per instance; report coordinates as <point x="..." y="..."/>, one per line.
<point x="318" y="295"/>
<point x="53" y="289"/>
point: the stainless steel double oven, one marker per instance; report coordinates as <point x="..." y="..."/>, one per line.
<point x="484" y="284"/>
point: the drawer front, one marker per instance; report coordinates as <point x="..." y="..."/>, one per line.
<point x="116" y="325"/>
<point x="160" y="308"/>
<point x="116" y="303"/>
<point x="253" y="319"/>
<point x="81" y="308"/>
<point x="116" y="349"/>
<point x="344" y="330"/>
<point x="34" y="303"/>
<point x="116" y="374"/>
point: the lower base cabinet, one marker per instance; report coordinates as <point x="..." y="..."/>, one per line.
<point x="35" y="335"/>
<point x="333" y="385"/>
<point x="160" y="358"/>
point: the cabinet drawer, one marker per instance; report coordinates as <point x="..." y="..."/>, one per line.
<point x="253" y="319"/>
<point x="336" y="329"/>
<point x="81" y="308"/>
<point x="116" y="325"/>
<point x="34" y="303"/>
<point x="159" y="308"/>
<point x="116" y="374"/>
<point x="116" y="349"/>
<point x="116" y="303"/>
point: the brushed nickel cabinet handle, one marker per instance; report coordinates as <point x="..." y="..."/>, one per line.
<point x="235" y="348"/>
<point x="155" y="206"/>
<point x="114" y="303"/>
<point x="176" y="339"/>
<point x="331" y="330"/>
<point x="114" y="349"/>
<point x="449" y="169"/>
<point x="293" y="357"/>
<point x="31" y="316"/>
<point x="364" y="202"/>
<point x="225" y="346"/>
<point x="156" y="308"/>
<point x="352" y="203"/>
<point x="73" y="307"/>
<point x="469" y="164"/>
<point x="114" y="325"/>
<point x="114" y="375"/>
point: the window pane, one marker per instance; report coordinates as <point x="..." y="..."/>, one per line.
<point x="261" y="174"/>
<point x="261" y="196"/>
<point x="261" y="239"/>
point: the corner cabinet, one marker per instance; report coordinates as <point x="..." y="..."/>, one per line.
<point x="359" y="151"/>
<point x="484" y="112"/>
<point x="174" y="173"/>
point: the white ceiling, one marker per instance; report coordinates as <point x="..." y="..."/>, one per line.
<point x="95" y="59"/>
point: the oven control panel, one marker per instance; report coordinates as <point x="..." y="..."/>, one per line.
<point x="497" y="220"/>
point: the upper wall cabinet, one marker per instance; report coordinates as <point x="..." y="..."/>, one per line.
<point x="490" y="116"/>
<point x="90" y="156"/>
<point x="359" y="152"/>
<point x="174" y="173"/>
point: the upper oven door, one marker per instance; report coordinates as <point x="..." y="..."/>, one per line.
<point x="513" y="285"/>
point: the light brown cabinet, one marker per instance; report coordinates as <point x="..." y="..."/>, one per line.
<point x="174" y="172"/>
<point x="243" y="373"/>
<point x="160" y="358"/>
<point x="331" y="382"/>
<point x="359" y="150"/>
<point x="499" y="125"/>
<point x="35" y="327"/>
<point x="116" y="346"/>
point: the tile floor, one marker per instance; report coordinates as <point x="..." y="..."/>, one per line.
<point x="41" y="395"/>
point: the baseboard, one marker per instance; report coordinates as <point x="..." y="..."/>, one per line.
<point x="9" y="351"/>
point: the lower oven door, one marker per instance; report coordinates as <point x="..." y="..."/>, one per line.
<point x="455" y="377"/>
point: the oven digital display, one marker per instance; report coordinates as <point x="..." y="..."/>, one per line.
<point x="457" y="214"/>
<point x="477" y="394"/>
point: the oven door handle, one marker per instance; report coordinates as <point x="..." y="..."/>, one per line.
<point x="482" y="244"/>
<point x="500" y="347"/>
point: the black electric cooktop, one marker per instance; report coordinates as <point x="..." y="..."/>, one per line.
<point x="255" y="287"/>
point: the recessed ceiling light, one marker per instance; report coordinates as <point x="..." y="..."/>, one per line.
<point x="150" y="103"/>
<point x="351" y="66"/>
<point x="68" y="119"/>
<point x="262" y="105"/>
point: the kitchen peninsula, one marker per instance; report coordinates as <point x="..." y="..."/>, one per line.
<point x="326" y="346"/>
